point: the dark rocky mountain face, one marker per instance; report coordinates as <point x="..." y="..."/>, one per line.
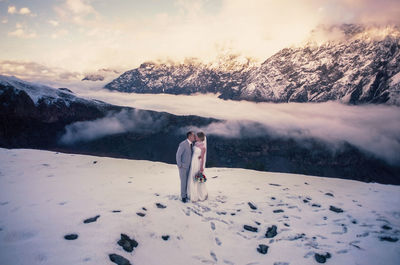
<point x="362" y="66"/>
<point x="41" y="123"/>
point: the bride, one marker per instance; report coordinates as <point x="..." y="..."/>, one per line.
<point x="197" y="191"/>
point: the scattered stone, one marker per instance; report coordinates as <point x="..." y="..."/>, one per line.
<point x="295" y="237"/>
<point x="221" y="213"/>
<point x="263" y="249"/>
<point x="71" y="236"/>
<point x="141" y="214"/>
<point x="286" y="224"/>
<point x="127" y="244"/>
<point x="322" y="258"/>
<point x="219" y="243"/>
<point x="278" y="211"/>
<point x="212" y="254"/>
<point x="250" y="228"/>
<point x="94" y="162"/>
<point x="335" y="209"/>
<point x="233" y="213"/>
<point x="156" y="194"/>
<point x="257" y="223"/>
<point x="273" y="198"/>
<point x="91" y="219"/>
<point x="329" y="194"/>
<point x="252" y="206"/>
<point x="273" y="184"/>
<point x="215" y="177"/>
<point x="144" y="209"/>
<point x="166" y="237"/>
<point x="388" y="238"/>
<point x="316" y="205"/>
<point x="386" y="227"/>
<point x="281" y="263"/>
<point x="306" y="183"/>
<point x="119" y="259"/>
<point x="271" y="232"/>
<point x="116" y="211"/>
<point x="305" y="201"/>
<point x="325" y="218"/>
<point x="161" y="206"/>
<point x="212" y="225"/>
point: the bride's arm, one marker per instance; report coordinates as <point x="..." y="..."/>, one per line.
<point x="203" y="151"/>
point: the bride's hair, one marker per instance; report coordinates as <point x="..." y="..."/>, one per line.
<point x="201" y="136"/>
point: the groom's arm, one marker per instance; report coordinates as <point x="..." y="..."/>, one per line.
<point x="179" y="155"/>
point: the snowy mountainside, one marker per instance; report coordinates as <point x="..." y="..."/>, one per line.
<point x="45" y="196"/>
<point x="36" y="91"/>
<point x="360" y="67"/>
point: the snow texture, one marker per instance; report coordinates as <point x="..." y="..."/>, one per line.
<point x="46" y="195"/>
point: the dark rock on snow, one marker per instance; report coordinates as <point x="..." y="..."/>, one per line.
<point x="165" y="237"/>
<point x="71" y="236"/>
<point x="271" y="232"/>
<point x="388" y="238"/>
<point x="263" y="249"/>
<point x="250" y="228"/>
<point x="252" y="206"/>
<point x="278" y="211"/>
<point x="127" y="244"/>
<point x="335" y="209"/>
<point x="119" y="259"/>
<point x="161" y="206"/>
<point x="141" y="214"/>
<point x="322" y="258"/>
<point x="91" y="220"/>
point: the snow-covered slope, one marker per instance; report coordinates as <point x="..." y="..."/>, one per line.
<point x="361" y="66"/>
<point x="35" y="91"/>
<point x="45" y="196"/>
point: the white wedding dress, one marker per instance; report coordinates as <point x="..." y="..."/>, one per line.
<point x="196" y="191"/>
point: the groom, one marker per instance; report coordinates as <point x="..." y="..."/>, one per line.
<point x="183" y="160"/>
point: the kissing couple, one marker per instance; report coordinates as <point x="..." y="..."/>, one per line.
<point x="191" y="160"/>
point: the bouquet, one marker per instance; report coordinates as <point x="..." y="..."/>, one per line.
<point x="200" y="177"/>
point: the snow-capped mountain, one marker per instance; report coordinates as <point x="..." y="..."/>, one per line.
<point x="64" y="209"/>
<point x="101" y="75"/>
<point x="361" y="66"/>
<point x="189" y="77"/>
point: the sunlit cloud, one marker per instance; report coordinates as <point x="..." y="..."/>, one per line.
<point x="21" y="11"/>
<point x="109" y="37"/>
<point x="22" y="32"/>
<point x="12" y="10"/>
<point x="55" y="23"/>
<point x="36" y="72"/>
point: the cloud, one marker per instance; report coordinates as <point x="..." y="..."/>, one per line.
<point x="124" y="121"/>
<point x="22" y="32"/>
<point x="12" y="10"/>
<point x="79" y="12"/>
<point x="32" y="71"/>
<point x="374" y="129"/>
<point x="21" y="11"/>
<point x="54" y="23"/>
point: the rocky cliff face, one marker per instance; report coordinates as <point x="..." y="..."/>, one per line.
<point x="360" y="66"/>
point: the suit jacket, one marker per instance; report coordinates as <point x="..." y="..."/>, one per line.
<point x="184" y="155"/>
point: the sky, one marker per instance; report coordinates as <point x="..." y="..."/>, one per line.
<point x="86" y="35"/>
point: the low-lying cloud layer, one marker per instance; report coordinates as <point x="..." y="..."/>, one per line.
<point x="372" y="128"/>
<point x="121" y="122"/>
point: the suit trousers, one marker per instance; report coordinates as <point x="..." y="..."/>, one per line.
<point x="183" y="174"/>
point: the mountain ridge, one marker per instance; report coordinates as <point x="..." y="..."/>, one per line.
<point x="357" y="68"/>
